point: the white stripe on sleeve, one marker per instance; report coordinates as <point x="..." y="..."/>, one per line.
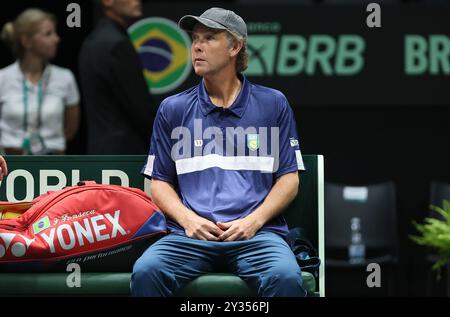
<point x="300" y="164"/>
<point x="149" y="166"/>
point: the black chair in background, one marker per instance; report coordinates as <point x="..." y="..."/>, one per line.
<point x="437" y="287"/>
<point x="375" y="207"/>
<point x="439" y="192"/>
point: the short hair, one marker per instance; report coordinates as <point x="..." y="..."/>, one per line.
<point x="26" y="23"/>
<point x="242" y="57"/>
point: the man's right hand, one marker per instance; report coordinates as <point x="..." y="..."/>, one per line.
<point x="197" y="227"/>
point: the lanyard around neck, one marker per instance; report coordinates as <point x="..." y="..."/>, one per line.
<point x="40" y="94"/>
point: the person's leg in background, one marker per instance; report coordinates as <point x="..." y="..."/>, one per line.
<point x="170" y="263"/>
<point x="267" y="264"/>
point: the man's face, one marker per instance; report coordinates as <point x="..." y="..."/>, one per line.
<point x="126" y="9"/>
<point x="210" y="50"/>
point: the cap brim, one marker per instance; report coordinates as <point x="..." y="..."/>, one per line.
<point x="188" y="22"/>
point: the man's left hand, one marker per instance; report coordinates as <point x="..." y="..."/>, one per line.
<point x="240" y="229"/>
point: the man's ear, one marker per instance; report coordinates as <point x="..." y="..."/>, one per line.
<point x="236" y="48"/>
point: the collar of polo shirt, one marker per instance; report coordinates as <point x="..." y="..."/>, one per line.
<point x="237" y="108"/>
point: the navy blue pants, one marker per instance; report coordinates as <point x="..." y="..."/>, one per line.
<point x="265" y="262"/>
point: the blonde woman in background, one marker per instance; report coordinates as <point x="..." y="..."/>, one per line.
<point x="38" y="101"/>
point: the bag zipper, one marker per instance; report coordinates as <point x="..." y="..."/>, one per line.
<point x="67" y="193"/>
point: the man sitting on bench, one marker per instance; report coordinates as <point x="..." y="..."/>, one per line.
<point x="223" y="199"/>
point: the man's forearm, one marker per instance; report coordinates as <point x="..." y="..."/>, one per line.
<point x="167" y="199"/>
<point x="279" y="197"/>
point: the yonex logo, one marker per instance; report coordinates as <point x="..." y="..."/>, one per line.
<point x="17" y="249"/>
<point x="164" y="50"/>
<point x="89" y="230"/>
<point x="67" y="236"/>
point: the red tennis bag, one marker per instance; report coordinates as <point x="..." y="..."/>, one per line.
<point x="100" y="227"/>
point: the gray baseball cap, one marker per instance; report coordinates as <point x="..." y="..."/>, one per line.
<point x="216" y="18"/>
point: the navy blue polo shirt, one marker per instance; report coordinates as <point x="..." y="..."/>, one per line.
<point x="224" y="162"/>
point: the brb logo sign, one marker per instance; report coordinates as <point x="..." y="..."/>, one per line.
<point x="292" y="54"/>
<point x="164" y="50"/>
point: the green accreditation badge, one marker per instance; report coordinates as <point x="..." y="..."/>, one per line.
<point x="33" y="144"/>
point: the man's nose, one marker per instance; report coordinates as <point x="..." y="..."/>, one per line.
<point x="197" y="46"/>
